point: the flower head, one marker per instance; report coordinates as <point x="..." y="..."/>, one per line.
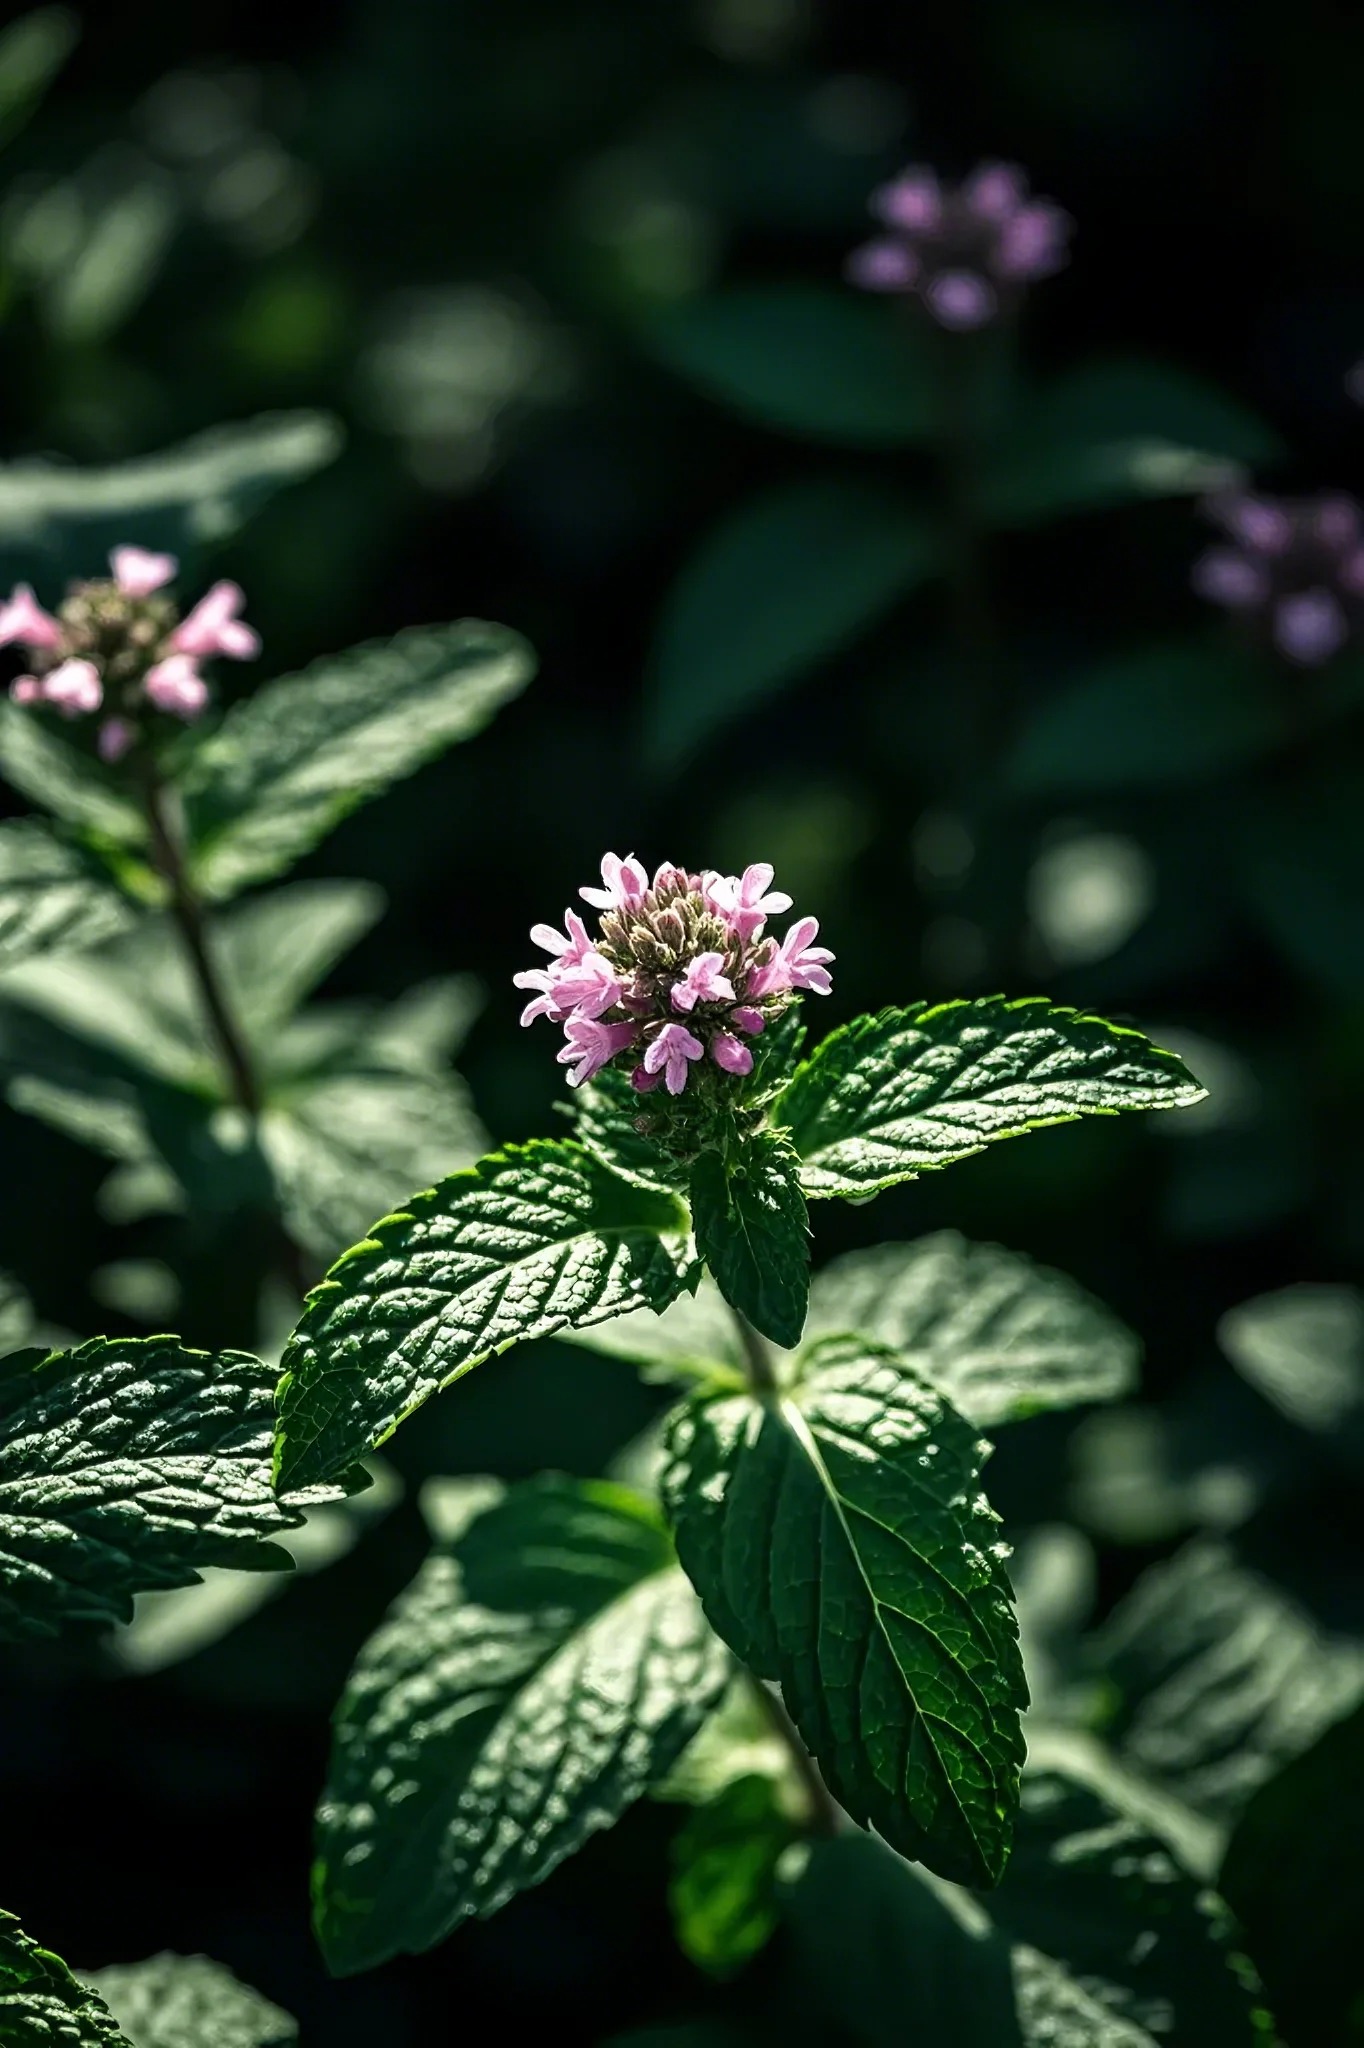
<point x="677" y="976"/>
<point x="118" y="644"/>
<point x="1292" y="569"/>
<point x="965" y="250"/>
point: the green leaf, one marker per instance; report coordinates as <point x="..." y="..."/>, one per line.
<point x="696" y="1338"/>
<point x="50" y="771"/>
<point x="42" y="2003"/>
<point x="1217" y="1679"/>
<point x="723" y="1890"/>
<point x="57" y="516"/>
<point x="189" y="2002"/>
<point x="535" y="1239"/>
<point x="33" y="50"/>
<point x="821" y="363"/>
<point x="1172" y="713"/>
<point x="753" y="1232"/>
<point x="781" y="584"/>
<point x="1303" y="1349"/>
<point x="888" y="1097"/>
<point x="1108" y="433"/>
<point x="841" y="1547"/>
<point x="53" y="896"/>
<point x="289" y="763"/>
<point x="1292" y="1877"/>
<point x="127" y="1464"/>
<point x="547" y="1665"/>
<point x="1000" y="1337"/>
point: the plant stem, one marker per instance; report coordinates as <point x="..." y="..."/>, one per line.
<point x="189" y="918"/>
<point x="826" y="1815"/>
<point x="762" y="1379"/>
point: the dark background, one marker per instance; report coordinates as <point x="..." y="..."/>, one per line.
<point x="450" y="223"/>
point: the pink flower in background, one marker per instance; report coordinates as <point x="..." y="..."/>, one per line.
<point x="682" y="945"/>
<point x="214" y="628"/>
<point x="1290" y="570"/>
<point x="965" y="250"/>
<point x="118" y="645"/>
<point x="176" y="687"/>
<point x="23" y="619"/>
<point x="138" y="573"/>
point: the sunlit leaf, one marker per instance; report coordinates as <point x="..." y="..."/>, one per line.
<point x="189" y="2002"/>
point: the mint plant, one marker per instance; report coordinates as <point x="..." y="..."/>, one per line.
<point x="820" y="1475"/>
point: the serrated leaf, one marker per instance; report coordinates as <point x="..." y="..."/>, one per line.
<point x="43" y="2003"/>
<point x="60" y="516"/>
<point x="888" y="1097"/>
<point x="1001" y="1337"/>
<point x="1108" y="433"/>
<point x="53" y="897"/>
<point x="722" y="1892"/>
<point x="1173" y="713"/>
<point x="841" y="1547"/>
<point x="127" y="1464"/>
<point x="776" y="588"/>
<point x="189" y="2002"/>
<point x="1303" y="1349"/>
<point x="547" y="1665"/>
<point x="753" y="1232"/>
<point x="812" y="361"/>
<point x="1217" y="1679"/>
<point x="534" y="1239"/>
<point x="289" y="763"/>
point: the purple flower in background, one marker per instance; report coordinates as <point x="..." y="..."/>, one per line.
<point x="965" y="250"/>
<point x="119" y="645"/>
<point x="1291" y="568"/>
<point x="676" y="977"/>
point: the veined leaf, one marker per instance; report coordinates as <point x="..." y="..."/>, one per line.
<point x="812" y="361"/>
<point x="125" y="1465"/>
<point x="189" y="2002"/>
<point x="888" y="1097"/>
<point x="753" y="1232"/>
<point x="841" y="1547"/>
<point x="535" y="1239"/>
<point x="289" y="763"/>
<point x="1001" y="1337"/>
<point x="77" y="787"/>
<point x="548" y="1665"/>
<point x="42" y="2002"/>
<point x="779" y="586"/>
<point x="53" y="897"/>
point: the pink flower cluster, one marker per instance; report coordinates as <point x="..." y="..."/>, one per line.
<point x="678" y="973"/>
<point x="1291" y="569"/>
<point x="964" y="249"/>
<point x="117" y="644"/>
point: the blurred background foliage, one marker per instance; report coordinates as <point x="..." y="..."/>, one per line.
<point x="566" y="274"/>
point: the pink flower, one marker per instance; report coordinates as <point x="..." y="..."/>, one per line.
<point x="26" y="690"/>
<point x="751" y="1021"/>
<point x="703" y="983"/>
<point x="138" y="573"/>
<point x="576" y="946"/>
<point x="744" y="902"/>
<point x="587" y="986"/>
<point x="73" y="687"/>
<point x="994" y="192"/>
<point x="214" y="628"/>
<point x="795" y="964"/>
<point x="543" y="1004"/>
<point x="176" y="686"/>
<point x="116" y="735"/>
<point x="913" y="201"/>
<point x="24" y="619"/>
<point x="590" y="1046"/>
<point x="625" y="882"/>
<point x="669" y="1055"/>
<point x="727" y="1052"/>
